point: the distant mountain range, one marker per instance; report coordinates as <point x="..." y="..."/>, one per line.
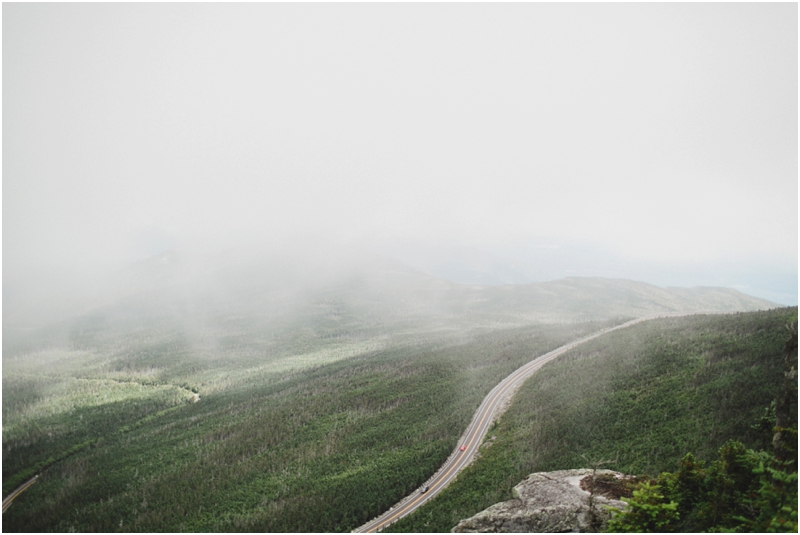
<point x="541" y="261"/>
<point x="329" y="290"/>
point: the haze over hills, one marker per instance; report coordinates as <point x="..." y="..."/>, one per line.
<point x="327" y="289"/>
<point x="263" y="261"/>
<point x="541" y="260"/>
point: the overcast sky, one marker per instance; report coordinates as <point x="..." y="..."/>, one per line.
<point x="661" y="131"/>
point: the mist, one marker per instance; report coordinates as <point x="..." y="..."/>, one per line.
<point x="653" y="142"/>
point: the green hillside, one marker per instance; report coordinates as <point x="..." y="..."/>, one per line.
<point x="642" y="397"/>
<point x="328" y="388"/>
<point x="320" y="448"/>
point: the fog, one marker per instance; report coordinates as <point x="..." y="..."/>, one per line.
<point x="655" y="142"/>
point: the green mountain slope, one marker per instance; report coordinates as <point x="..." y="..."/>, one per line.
<point x="325" y="383"/>
<point x="643" y="397"/>
<point x="309" y="447"/>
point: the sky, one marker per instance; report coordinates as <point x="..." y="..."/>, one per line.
<point x="664" y="133"/>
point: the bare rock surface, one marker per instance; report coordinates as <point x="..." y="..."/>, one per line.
<point x="551" y="502"/>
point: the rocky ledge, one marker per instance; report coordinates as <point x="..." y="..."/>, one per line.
<point x="554" y="502"/>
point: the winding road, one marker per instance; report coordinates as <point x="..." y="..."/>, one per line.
<point x="18" y="491"/>
<point x="491" y="407"/>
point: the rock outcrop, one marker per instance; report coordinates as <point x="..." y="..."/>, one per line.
<point x="553" y="502"/>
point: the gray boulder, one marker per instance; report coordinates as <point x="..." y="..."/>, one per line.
<point x="553" y="502"/>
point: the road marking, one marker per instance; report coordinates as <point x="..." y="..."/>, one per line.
<point x="19" y="491"/>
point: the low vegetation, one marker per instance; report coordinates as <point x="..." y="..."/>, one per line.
<point x="742" y="490"/>
<point x="323" y="447"/>
<point x="643" y="396"/>
<point x="220" y="394"/>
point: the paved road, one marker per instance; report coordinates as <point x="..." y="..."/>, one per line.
<point x="17" y="492"/>
<point x="484" y="416"/>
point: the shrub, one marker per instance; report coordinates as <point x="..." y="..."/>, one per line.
<point x="647" y="511"/>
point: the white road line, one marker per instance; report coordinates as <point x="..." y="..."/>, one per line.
<point x="18" y="491"/>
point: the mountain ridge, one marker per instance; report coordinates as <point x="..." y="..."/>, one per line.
<point x="281" y="284"/>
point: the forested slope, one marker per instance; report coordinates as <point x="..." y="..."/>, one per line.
<point x="326" y="385"/>
<point x="320" y="448"/>
<point x="642" y="397"/>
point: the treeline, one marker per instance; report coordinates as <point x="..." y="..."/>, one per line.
<point x="642" y="396"/>
<point x="742" y="491"/>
